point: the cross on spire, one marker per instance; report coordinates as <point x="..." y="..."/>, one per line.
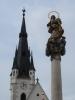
<point x="23" y="10"/>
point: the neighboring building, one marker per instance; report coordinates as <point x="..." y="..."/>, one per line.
<point x="22" y="84"/>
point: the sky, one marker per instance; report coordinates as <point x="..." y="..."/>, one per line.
<point x="36" y="21"/>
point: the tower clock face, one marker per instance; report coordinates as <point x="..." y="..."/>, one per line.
<point x="23" y="86"/>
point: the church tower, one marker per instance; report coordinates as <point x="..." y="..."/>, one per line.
<point x="23" y="71"/>
<point x="22" y="77"/>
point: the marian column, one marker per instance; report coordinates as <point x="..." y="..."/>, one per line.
<point x="55" y="49"/>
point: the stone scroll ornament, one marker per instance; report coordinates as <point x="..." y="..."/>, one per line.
<point x="56" y="42"/>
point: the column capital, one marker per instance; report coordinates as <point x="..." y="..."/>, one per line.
<point x="56" y="57"/>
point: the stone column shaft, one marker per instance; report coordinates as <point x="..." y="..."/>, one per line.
<point x="56" y="84"/>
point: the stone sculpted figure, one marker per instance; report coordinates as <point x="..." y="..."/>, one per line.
<point x="56" y="42"/>
<point x="55" y="28"/>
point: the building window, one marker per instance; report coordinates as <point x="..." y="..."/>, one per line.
<point x="37" y="94"/>
<point x="13" y="72"/>
<point x="23" y="96"/>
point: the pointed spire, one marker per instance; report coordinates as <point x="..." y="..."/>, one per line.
<point x="37" y="80"/>
<point x="23" y="32"/>
<point x="29" y="51"/>
<point x="23" y="51"/>
<point x="32" y="63"/>
<point x="15" y="60"/>
<point x="23" y="60"/>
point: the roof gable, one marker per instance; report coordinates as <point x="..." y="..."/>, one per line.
<point x="37" y="93"/>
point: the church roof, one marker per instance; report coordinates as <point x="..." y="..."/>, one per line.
<point x="32" y="62"/>
<point x="37" y="93"/>
<point x="22" y="57"/>
<point x="15" y="60"/>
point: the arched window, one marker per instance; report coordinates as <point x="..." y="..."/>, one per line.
<point x="23" y="96"/>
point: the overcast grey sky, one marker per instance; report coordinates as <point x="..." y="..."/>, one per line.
<point x="36" y="20"/>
